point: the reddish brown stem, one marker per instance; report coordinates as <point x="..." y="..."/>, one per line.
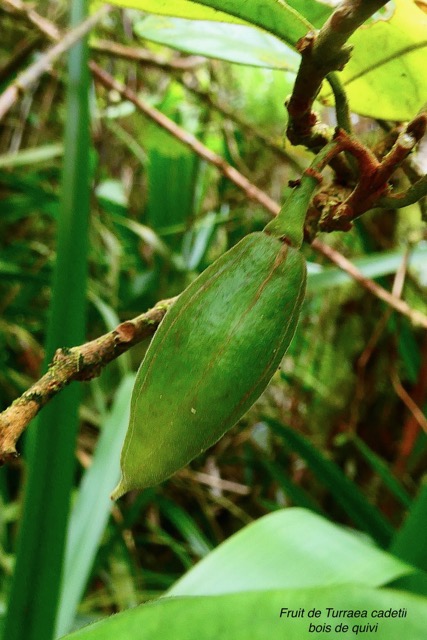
<point x="322" y="53"/>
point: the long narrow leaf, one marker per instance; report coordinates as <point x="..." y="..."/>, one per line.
<point x="347" y="494"/>
<point x="92" y="508"/>
<point x="35" y="588"/>
<point x="299" y="497"/>
<point x="381" y="468"/>
<point x="189" y="530"/>
<point x="410" y="542"/>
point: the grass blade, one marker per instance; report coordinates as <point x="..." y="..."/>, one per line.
<point x="345" y="492"/>
<point x="382" y="469"/>
<point x="92" y="508"/>
<point x="35" y="588"/>
<point x="410" y="542"/>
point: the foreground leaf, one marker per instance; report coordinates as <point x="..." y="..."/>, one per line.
<point x="231" y="42"/>
<point x="291" y="548"/>
<point x="410" y="542"/>
<point x="256" y="615"/>
<point x="275" y="16"/>
<point x="385" y="77"/>
<point x="92" y="507"/>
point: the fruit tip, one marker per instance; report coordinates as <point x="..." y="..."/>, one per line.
<point x="119" y="491"/>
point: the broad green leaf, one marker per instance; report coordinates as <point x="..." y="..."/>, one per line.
<point x="178" y="8"/>
<point x="232" y="42"/>
<point x="92" y="507"/>
<point x="256" y="616"/>
<point x="386" y="76"/>
<point x="298" y="496"/>
<point x="315" y="11"/>
<point x="290" y="548"/>
<point x="275" y="16"/>
<point x="415" y="583"/>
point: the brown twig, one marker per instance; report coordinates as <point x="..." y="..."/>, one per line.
<point x="190" y="141"/>
<point x="418" y="190"/>
<point x="46" y="27"/>
<point x="28" y="77"/>
<point x="137" y="54"/>
<point x="367" y="161"/>
<point x="412" y="406"/>
<point x="208" y="98"/>
<point x="412" y="424"/>
<point x="77" y="363"/>
<point x="322" y="53"/>
<point x="343" y="263"/>
<point x="22" y="50"/>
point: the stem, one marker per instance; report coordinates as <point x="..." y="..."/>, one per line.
<point x="404" y="199"/>
<point x="289" y="223"/>
<point x="321" y="53"/>
<point x="82" y="362"/>
<point x="43" y="64"/>
<point x="342" y="108"/>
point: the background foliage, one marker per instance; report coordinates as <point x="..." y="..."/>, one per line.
<point x="335" y="433"/>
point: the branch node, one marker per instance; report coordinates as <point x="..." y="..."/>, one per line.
<point x="305" y="44"/>
<point x="125" y="331"/>
<point x="8" y="456"/>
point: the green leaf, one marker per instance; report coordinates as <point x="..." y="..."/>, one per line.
<point x="197" y="240"/>
<point x="315" y="12"/>
<point x="346" y="493"/>
<point x="410" y="542"/>
<point x="232" y="42"/>
<point x="383" y="471"/>
<point x="34" y="595"/>
<point x="256" y="616"/>
<point x="385" y="77"/>
<point x="92" y="507"/>
<point x="293" y="491"/>
<point x="290" y="548"/>
<point x="31" y="156"/>
<point x="178" y="8"/>
<point x="275" y="16"/>
<point x="187" y="527"/>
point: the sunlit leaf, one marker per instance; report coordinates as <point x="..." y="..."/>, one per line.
<point x="386" y="76"/>
<point x="248" y="615"/>
<point x="92" y="507"/>
<point x="231" y="42"/>
<point x="289" y="548"/>
<point x="275" y="16"/>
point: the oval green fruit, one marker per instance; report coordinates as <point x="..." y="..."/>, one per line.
<point x="212" y="356"/>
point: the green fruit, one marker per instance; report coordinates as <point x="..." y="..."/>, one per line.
<point x="212" y="357"/>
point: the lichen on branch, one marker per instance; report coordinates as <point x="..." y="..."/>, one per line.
<point x="82" y="362"/>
